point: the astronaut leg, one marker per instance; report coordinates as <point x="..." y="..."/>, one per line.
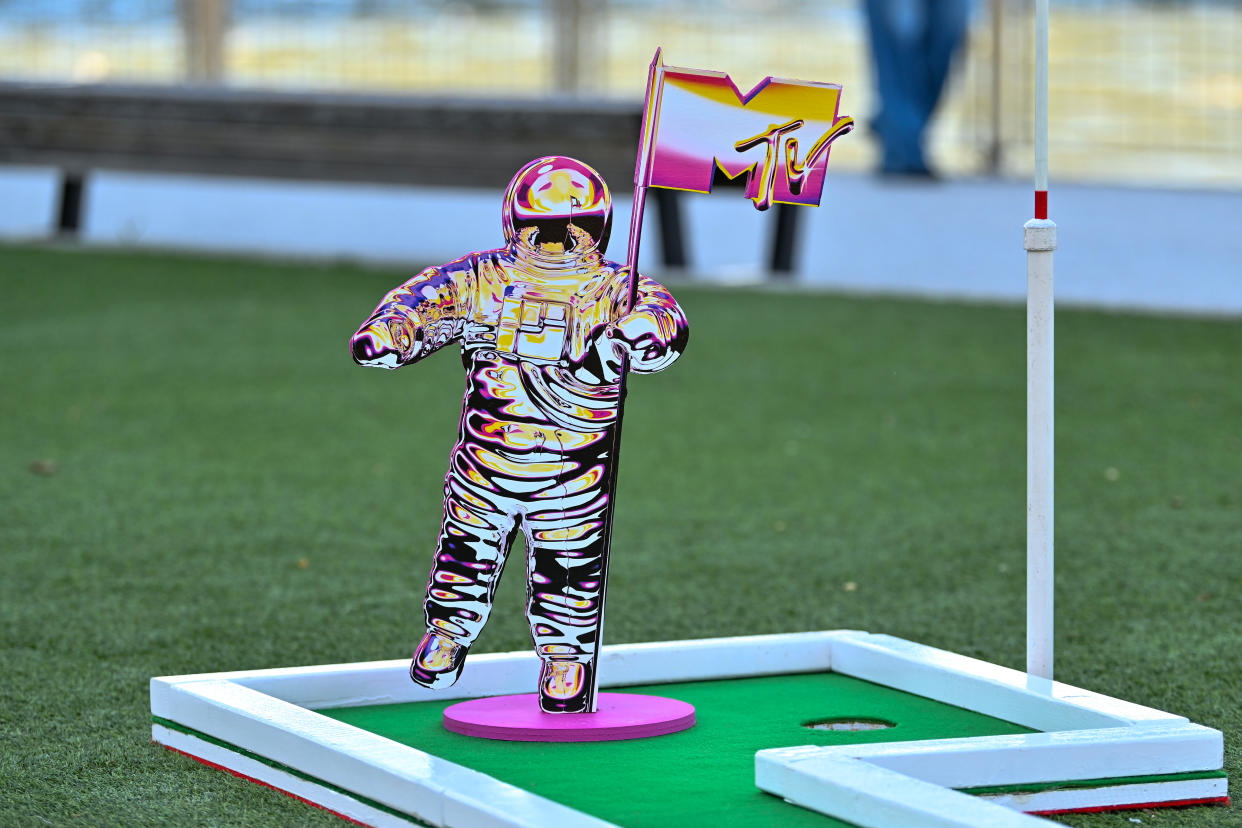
<point x="475" y="536"/>
<point x="565" y="560"/>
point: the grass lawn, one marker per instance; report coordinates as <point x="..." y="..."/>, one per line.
<point x="195" y="477"/>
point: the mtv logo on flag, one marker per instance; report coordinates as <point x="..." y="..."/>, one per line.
<point x="778" y="134"/>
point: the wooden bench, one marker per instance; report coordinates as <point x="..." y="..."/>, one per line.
<point x="438" y="142"/>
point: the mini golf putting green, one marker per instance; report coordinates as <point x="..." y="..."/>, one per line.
<point x="705" y="775"/>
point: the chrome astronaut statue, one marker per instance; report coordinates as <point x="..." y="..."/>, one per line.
<point x="544" y="327"/>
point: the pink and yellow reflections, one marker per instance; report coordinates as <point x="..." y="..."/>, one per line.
<point x="706" y="124"/>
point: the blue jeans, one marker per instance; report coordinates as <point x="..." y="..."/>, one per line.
<point x="912" y="46"/>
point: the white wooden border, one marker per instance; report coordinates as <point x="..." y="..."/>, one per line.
<point x="1084" y="735"/>
<point x="403" y="778"/>
<point x="911" y="783"/>
<point x="987" y="688"/>
<point x="489" y="674"/>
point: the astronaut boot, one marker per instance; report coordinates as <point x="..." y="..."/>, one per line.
<point x="438" y="661"/>
<point x="565" y="686"/>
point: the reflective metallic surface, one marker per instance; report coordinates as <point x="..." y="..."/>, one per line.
<point x="778" y="134"/>
<point x="438" y="661"/>
<point x="550" y="194"/>
<point x="543" y="326"/>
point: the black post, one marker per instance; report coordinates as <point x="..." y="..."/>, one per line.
<point x="784" y="240"/>
<point x="69" y="219"/>
<point x="672" y="240"/>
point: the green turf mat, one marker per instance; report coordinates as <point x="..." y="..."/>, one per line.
<point x="703" y="776"/>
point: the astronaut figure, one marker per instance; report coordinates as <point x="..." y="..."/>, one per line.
<point x="544" y="327"/>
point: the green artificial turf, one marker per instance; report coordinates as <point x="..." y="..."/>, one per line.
<point x="702" y="776"/>
<point x="195" y="477"/>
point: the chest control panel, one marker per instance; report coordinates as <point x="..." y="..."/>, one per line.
<point x="533" y="328"/>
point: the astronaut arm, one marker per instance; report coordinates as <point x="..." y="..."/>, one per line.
<point x="655" y="331"/>
<point x="419" y="317"/>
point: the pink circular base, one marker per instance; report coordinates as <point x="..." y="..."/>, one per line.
<point x="519" y="719"/>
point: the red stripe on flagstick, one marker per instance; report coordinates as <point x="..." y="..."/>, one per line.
<point x="1041" y="204"/>
<point x="240" y="775"/>
<point x="1178" y="803"/>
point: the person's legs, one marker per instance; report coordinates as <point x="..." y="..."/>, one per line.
<point x="944" y="30"/>
<point x="895" y="27"/>
<point x="476" y="532"/>
<point x="565" y="561"/>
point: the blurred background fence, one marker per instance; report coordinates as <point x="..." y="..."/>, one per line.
<point x="1142" y="92"/>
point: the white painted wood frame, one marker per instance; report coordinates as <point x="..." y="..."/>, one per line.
<point x="262" y="724"/>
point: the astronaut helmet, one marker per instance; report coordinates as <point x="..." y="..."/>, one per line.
<point x="557" y="207"/>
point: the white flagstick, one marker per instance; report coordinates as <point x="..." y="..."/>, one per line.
<point x="1040" y="242"/>
<point x="642" y="173"/>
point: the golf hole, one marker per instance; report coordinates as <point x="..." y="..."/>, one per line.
<point x="849" y="723"/>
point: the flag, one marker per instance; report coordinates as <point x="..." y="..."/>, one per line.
<point x="778" y="134"/>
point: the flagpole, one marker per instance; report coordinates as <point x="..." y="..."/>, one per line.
<point x="1040" y="240"/>
<point x="642" y="171"/>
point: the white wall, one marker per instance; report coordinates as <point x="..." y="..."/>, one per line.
<point x="29" y="198"/>
<point x="1152" y="249"/>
